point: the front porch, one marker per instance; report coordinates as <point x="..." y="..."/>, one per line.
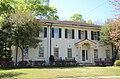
<point x="85" y="53"/>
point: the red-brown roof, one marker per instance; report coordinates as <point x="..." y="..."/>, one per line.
<point x="65" y="22"/>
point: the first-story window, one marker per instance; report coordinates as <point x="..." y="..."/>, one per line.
<point x="56" y="52"/>
<point x="69" y="52"/>
<point x="95" y="54"/>
<point x="108" y="54"/>
<point x="41" y="51"/>
<point x="25" y="52"/>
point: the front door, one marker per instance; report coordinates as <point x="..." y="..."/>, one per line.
<point x="84" y="55"/>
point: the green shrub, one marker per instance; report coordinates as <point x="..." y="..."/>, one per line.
<point x="117" y="63"/>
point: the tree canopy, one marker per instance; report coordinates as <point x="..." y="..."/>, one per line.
<point x="39" y="8"/>
<point x="105" y="36"/>
<point x="115" y="31"/>
<point x="18" y="24"/>
<point x="76" y="17"/>
<point x="90" y="21"/>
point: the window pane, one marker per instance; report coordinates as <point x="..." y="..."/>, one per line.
<point x="86" y="55"/>
<point x="41" y="34"/>
<point x="41" y="51"/>
<point x="25" y="51"/>
<point x="56" y="52"/>
<point x="82" y="34"/>
<point x="96" y="35"/>
<point x="56" y="33"/>
<point x="95" y="54"/>
<point x="83" y="55"/>
<point x="108" y="54"/>
<point x="69" y="52"/>
<point x="69" y="33"/>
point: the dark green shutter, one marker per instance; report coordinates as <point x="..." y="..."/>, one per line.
<point x="92" y="35"/>
<point x="66" y="33"/>
<point x="60" y="33"/>
<point x="73" y="36"/>
<point x="85" y="34"/>
<point x="53" y="32"/>
<point x="45" y="32"/>
<point x="79" y="34"/>
<point x="98" y="34"/>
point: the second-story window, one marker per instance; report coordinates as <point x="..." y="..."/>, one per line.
<point x="83" y="34"/>
<point x="69" y="33"/>
<point x="56" y="32"/>
<point x="43" y="32"/>
<point x="95" y="35"/>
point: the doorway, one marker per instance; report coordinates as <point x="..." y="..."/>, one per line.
<point x="85" y="55"/>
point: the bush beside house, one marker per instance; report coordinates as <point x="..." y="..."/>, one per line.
<point x="117" y="63"/>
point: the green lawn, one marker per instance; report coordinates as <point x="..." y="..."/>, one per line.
<point x="59" y="72"/>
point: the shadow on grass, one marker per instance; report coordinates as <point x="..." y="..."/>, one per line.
<point x="46" y="67"/>
<point x="9" y="74"/>
<point x="40" y="67"/>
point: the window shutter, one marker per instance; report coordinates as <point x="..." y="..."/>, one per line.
<point x="45" y="32"/>
<point x="60" y="33"/>
<point x="66" y="33"/>
<point x="53" y="32"/>
<point x="98" y="34"/>
<point x="92" y="35"/>
<point x="73" y="34"/>
<point x="79" y="34"/>
<point x="85" y="34"/>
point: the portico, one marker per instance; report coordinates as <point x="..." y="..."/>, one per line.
<point x="85" y="52"/>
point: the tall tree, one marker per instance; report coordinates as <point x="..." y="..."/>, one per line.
<point x="115" y="31"/>
<point x="39" y="8"/>
<point x="110" y="34"/>
<point x="26" y="29"/>
<point x="5" y="43"/>
<point x="21" y="14"/>
<point x="76" y="17"/>
<point x="90" y="21"/>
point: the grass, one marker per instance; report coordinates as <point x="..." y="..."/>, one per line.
<point x="58" y="72"/>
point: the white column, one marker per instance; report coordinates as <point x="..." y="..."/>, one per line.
<point x="79" y="54"/>
<point x="48" y="44"/>
<point x="92" y="54"/>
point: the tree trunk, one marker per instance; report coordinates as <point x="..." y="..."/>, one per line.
<point x="16" y="55"/>
<point x="22" y="53"/>
<point x="113" y="51"/>
<point x="116" y="52"/>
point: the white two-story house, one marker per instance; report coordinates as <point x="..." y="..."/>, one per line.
<point x="67" y="39"/>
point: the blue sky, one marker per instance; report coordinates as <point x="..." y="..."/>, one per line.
<point x="96" y="10"/>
